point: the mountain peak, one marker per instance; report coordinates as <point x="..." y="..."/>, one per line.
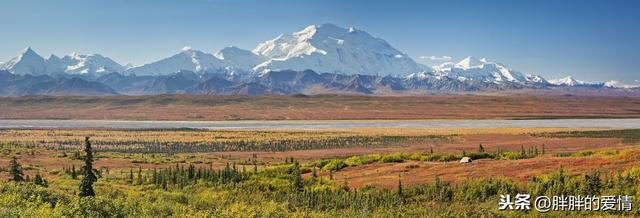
<point x="472" y="68"/>
<point x="239" y="59"/>
<point x="325" y="27"/>
<point x="470" y="62"/>
<point x="306" y="32"/>
<point x="328" y="48"/>
<point x="27" y="62"/>
<point x="568" y="81"/>
<point x="229" y="50"/>
<point x="53" y="57"/>
<point x="618" y="84"/>
<point x="186" y="48"/>
<point x="193" y="53"/>
<point x="28" y="51"/>
<point x="330" y="28"/>
<point x="188" y="59"/>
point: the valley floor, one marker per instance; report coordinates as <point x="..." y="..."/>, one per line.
<point x="322" y="107"/>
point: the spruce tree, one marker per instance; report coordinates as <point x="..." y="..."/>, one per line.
<point x="89" y="177"/>
<point x="74" y="175"/>
<point x="140" y="179"/>
<point x="191" y="171"/>
<point x="16" y="170"/>
<point x="297" y="178"/>
<point x="593" y="184"/>
<point x="154" y="178"/>
<point x="39" y="180"/>
<point x="164" y="183"/>
<point x="130" y="179"/>
<point x="399" y="191"/>
<point x="255" y="167"/>
<point x="314" y="174"/>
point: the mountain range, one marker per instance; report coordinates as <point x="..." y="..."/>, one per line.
<point x="318" y="59"/>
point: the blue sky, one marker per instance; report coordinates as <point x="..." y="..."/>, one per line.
<point x="592" y="40"/>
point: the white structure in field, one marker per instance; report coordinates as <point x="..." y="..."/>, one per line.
<point x="465" y="160"/>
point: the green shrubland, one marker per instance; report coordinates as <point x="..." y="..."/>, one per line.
<point x="238" y="191"/>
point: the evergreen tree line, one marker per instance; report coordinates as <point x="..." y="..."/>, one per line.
<point x="318" y="193"/>
<point x="276" y="145"/>
<point x="472" y="191"/>
<point x="180" y="176"/>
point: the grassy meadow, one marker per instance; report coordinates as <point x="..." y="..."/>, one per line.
<point x="303" y="173"/>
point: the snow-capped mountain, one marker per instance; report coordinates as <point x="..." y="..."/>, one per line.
<point x="328" y="48"/>
<point x="83" y="64"/>
<point x="483" y="70"/>
<point x="27" y="62"/>
<point x="618" y="84"/>
<point x="471" y="62"/>
<point x="30" y="62"/>
<point x="536" y="79"/>
<point x="568" y="81"/>
<point x="321" y="48"/>
<point x="187" y="60"/>
<point x="319" y="59"/>
<point x="229" y="59"/>
<point x="240" y="59"/>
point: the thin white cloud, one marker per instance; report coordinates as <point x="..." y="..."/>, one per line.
<point x="436" y="58"/>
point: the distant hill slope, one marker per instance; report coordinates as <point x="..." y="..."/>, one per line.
<point x="23" y="85"/>
<point x="281" y="83"/>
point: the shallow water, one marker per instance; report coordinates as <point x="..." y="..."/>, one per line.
<point x="120" y="124"/>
